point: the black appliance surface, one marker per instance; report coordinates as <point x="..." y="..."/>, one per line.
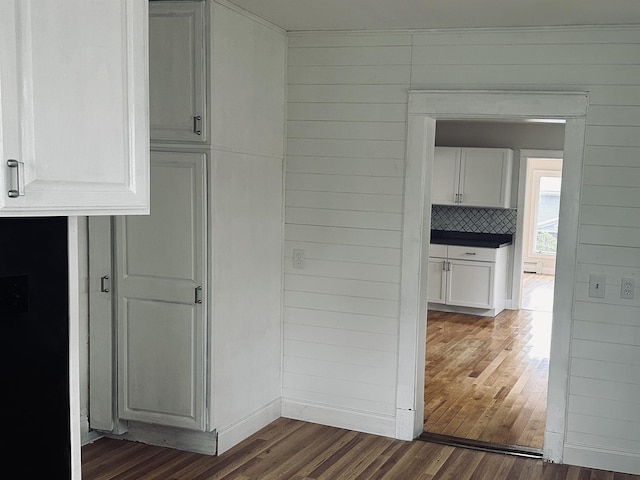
<point x="34" y="314"/>
<point x="471" y="239"/>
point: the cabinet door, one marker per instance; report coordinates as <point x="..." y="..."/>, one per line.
<point x="485" y="177"/>
<point x="160" y="263"/>
<point x="446" y="175"/>
<point x="470" y="284"/>
<point x="74" y="132"/>
<point x="436" y="284"/>
<point x="177" y="72"/>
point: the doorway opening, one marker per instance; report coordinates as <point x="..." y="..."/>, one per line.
<point x="486" y="376"/>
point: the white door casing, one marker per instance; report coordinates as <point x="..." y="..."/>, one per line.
<point x="159" y="280"/>
<point x="425" y="107"/>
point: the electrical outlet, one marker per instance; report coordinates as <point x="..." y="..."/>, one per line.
<point x="628" y="288"/>
<point x="298" y="258"/>
<point x="597" y="285"/>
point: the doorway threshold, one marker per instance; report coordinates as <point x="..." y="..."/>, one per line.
<point x="514" y="450"/>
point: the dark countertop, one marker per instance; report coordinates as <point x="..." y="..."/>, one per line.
<point x="470" y="239"/>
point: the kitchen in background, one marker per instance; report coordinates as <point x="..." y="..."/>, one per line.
<point x="515" y="135"/>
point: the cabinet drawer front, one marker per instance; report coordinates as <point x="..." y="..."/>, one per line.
<point x="437" y="250"/>
<point x="472" y="253"/>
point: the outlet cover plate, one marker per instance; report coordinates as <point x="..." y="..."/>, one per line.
<point x="628" y="288"/>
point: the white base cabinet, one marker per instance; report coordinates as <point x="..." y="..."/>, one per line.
<point x="468" y="277"/>
<point x="472" y="177"/>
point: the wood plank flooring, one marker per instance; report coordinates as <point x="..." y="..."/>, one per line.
<point x="486" y="378"/>
<point x="294" y="450"/>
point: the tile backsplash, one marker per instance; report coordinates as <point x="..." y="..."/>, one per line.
<point x="471" y="219"/>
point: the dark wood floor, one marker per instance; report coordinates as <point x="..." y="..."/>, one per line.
<point x="293" y="450"/>
<point x="486" y="378"/>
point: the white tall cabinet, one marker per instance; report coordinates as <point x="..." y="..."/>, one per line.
<point x="74" y="133"/>
<point x="224" y="383"/>
<point x="160" y="261"/>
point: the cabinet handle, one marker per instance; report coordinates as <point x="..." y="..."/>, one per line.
<point x="460" y="197"/>
<point x="444" y="266"/>
<point x="105" y="284"/>
<point x="448" y="266"/>
<point x="455" y="198"/>
<point x="197" y="121"/>
<point x="198" y="294"/>
<point x="470" y="253"/>
<point x="19" y="178"/>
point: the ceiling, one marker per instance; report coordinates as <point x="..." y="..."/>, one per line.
<point x="295" y="15"/>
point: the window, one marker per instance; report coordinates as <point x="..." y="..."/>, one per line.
<point x="547" y="212"/>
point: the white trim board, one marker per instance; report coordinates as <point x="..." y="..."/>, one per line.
<point x="339" y="418"/>
<point x="74" y="347"/>
<point x="425" y="108"/>
<point x="233" y="434"/>
<point x="602" y="459"/>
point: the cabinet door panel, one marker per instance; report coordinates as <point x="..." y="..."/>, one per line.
<point x="436" y="284"/>
<point x="160" y="261"/>
<point x="74" y="107"/>
<point x="177" y="71"/>
<point x="470" y="284"/>
<point x="446" y="173"/>
<point x="485" y="177"/>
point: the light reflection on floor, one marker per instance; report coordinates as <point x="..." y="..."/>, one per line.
<point x="539" y="344"/>
<point x="537" y="292"/>
<point x="538" y="299"/>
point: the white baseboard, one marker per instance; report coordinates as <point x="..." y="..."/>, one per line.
<point x="440" y="307"/>
<point x="172" y="437"/>
<point x="233" y="434"/>
<point x="340" y="418"/>
<point x="602" y="459"/>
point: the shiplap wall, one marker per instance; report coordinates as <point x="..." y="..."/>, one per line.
<point x="347" y="112"/>
<point x="346" y="144"/>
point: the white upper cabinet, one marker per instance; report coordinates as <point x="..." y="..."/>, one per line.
<point x="74" y="130"/>
<point x="446" y="176"/>
<point x="472" y="177"/>
<point x="177" y="72"/>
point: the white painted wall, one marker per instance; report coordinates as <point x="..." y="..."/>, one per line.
<point x="347" y="109"/>
<point x="346" y="131"/>
<point x="246" y="201"/>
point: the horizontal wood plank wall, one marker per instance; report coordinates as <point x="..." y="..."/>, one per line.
<point x="346" y="109"/>
<point x="605" y="351"/>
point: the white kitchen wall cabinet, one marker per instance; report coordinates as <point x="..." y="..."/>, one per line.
<point x="74" y="130"/>
<point x="470" y="277"/>
<point x="177" y="72"/>
<point x="472" y="177"/>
